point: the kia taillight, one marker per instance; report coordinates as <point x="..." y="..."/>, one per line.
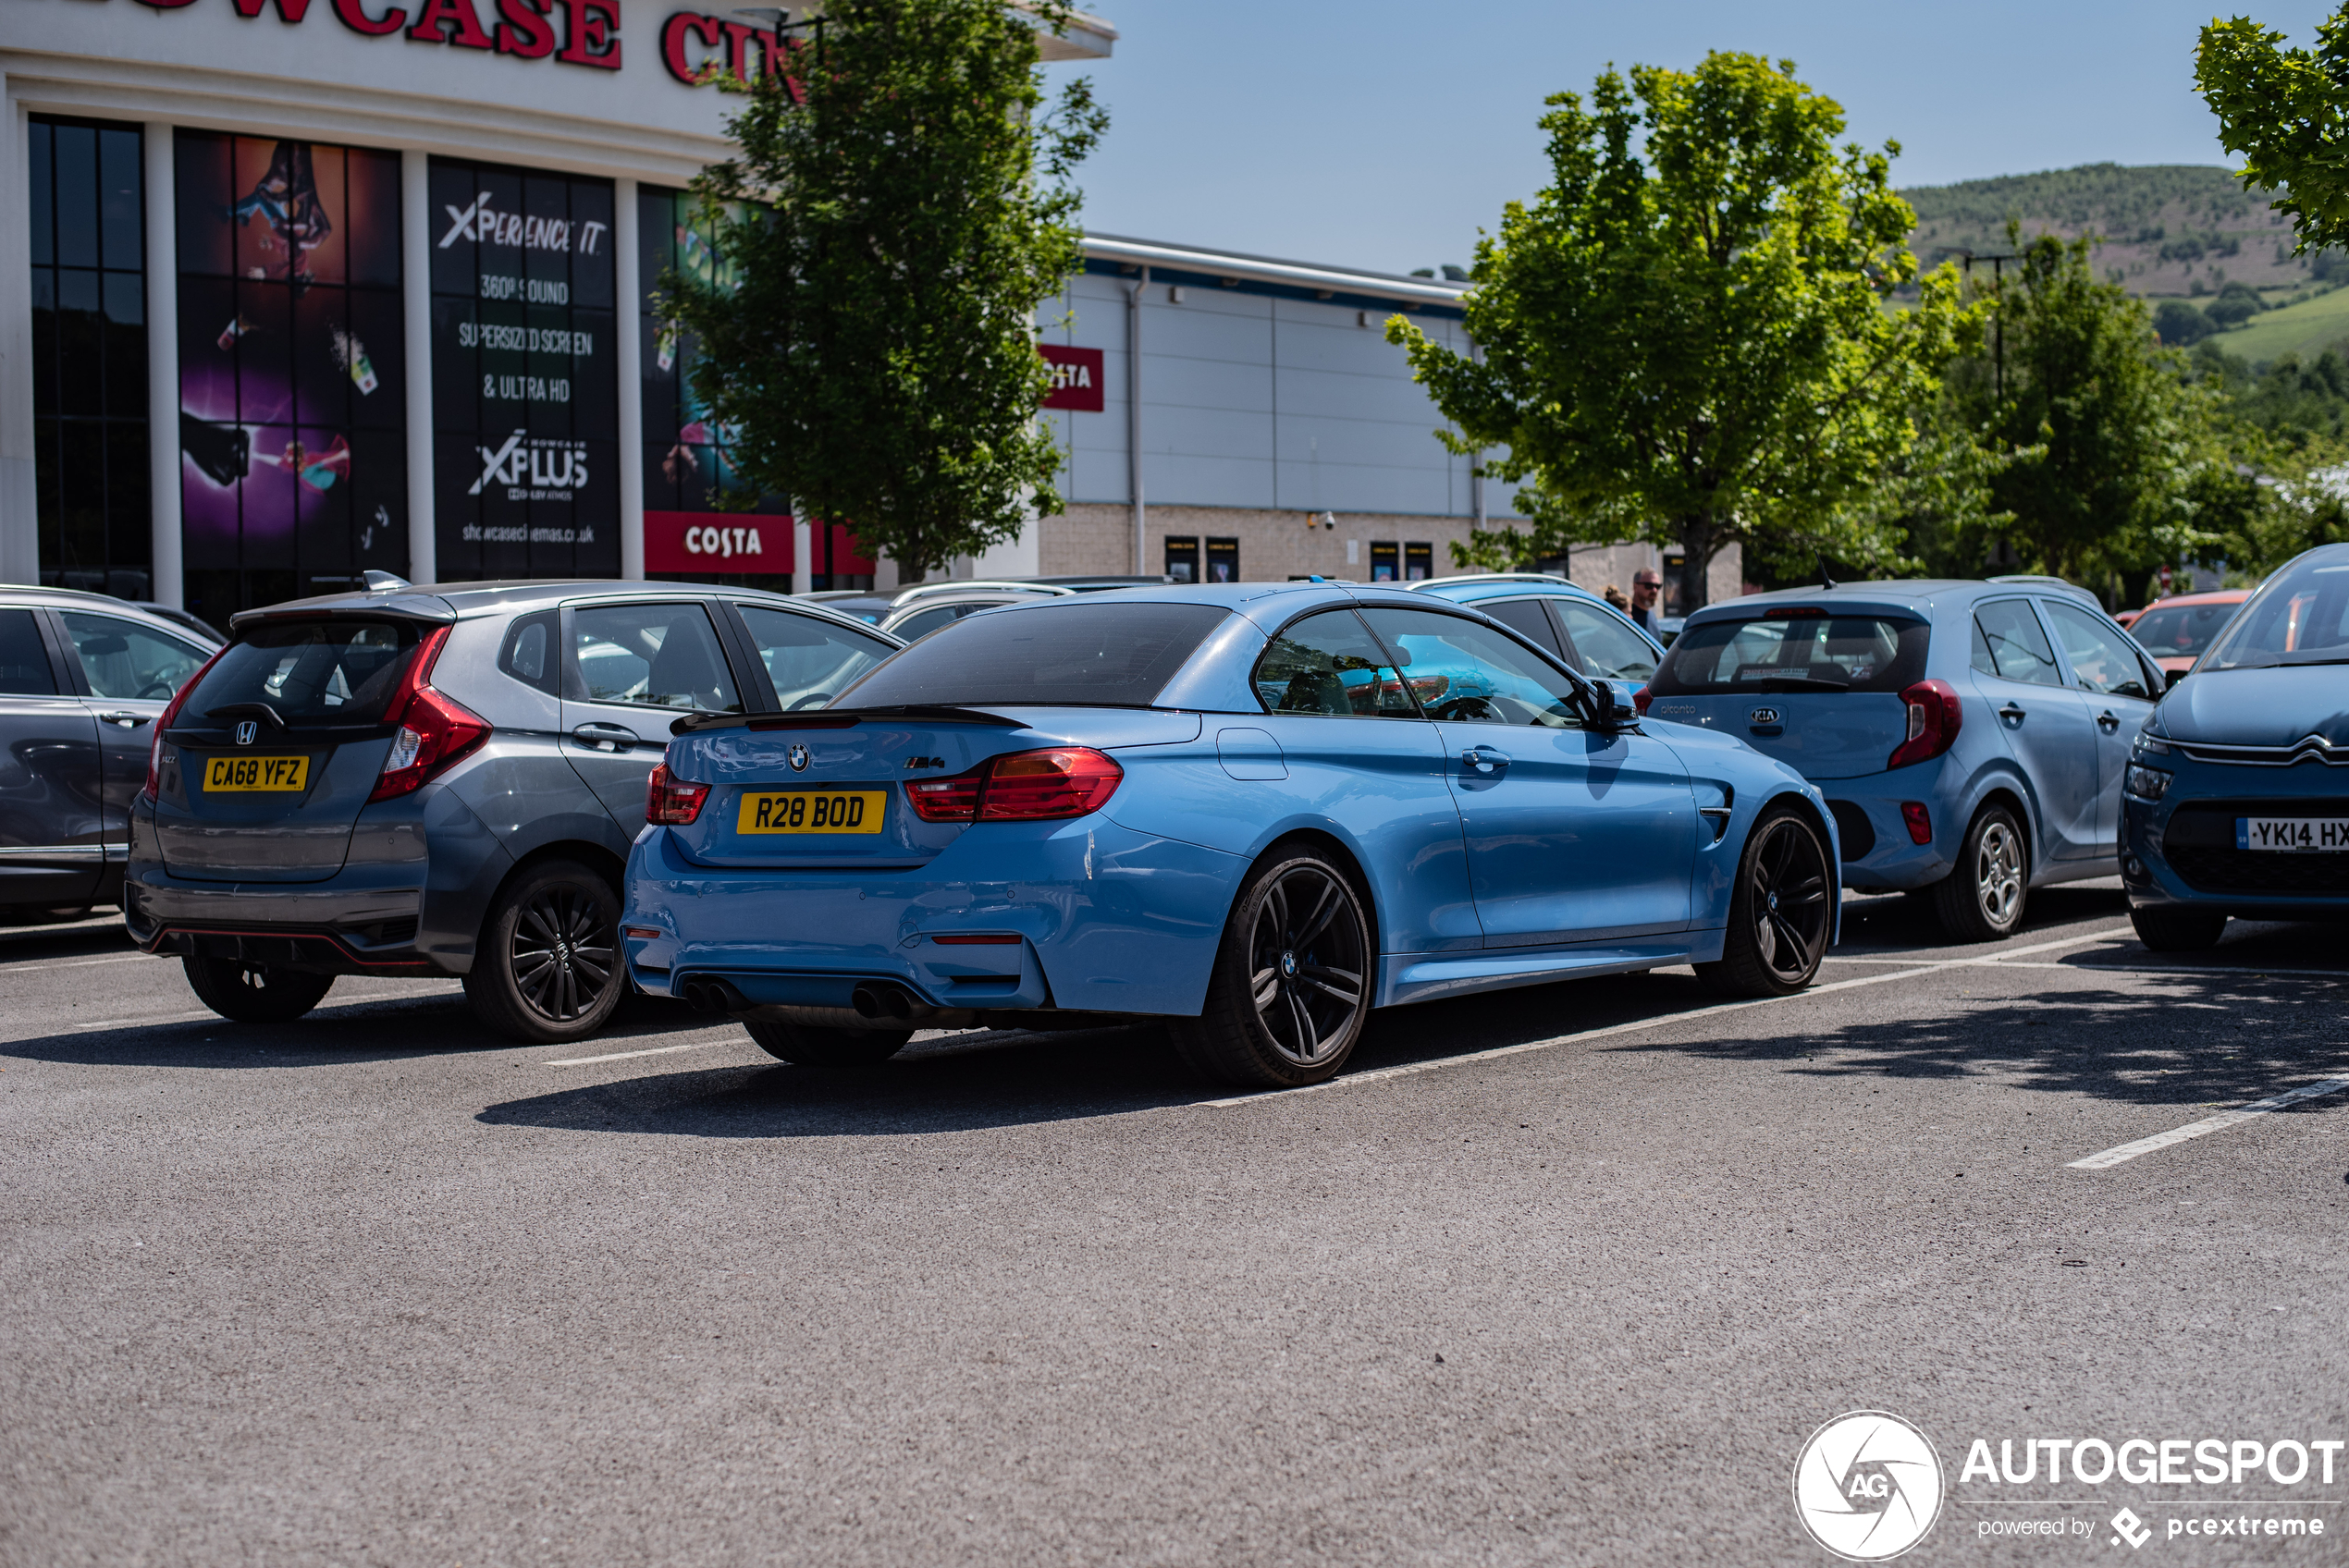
<point x="1020" y="787"/>
<point x="434" y="730"/>
<point x="154" y="786"/>
<point x="669" y="802"/>
<point x="1640" y="699"/>
<point x="1934" y="716"/>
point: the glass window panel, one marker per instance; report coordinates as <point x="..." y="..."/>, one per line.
<point x="24" y="663"/>
<point x="1470" y="674"/>
<point x="126" y="334"/>
<point x="40" y="152"/>
<point x="311" y="672"/>
<point x="2101" y="658"/>
<point x="1329" y="664"/>
<point x="130" y="530"/>
<point x="121" y="228"/>
<point x="1609" y="649"/>
<point x="81" y="541"/>
<point x="77" y="196"/>
<point x="123" y="659"/>
<point x="45" y="341"/>
<point x="200" y="163"/>
<point x="1527" y="617"/>
<point x="809" y="660"/>
<point x="660" y="656"/>
<point x="80" y="347"/>
<point x="2019" y="649"/>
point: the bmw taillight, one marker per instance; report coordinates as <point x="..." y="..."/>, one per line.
<point x="1934" y="717"/>
<point x="153" y="786"/>
<point x="1042" y="786"/>
<point x="669" y="802"/>
<point x="434" y="730"/>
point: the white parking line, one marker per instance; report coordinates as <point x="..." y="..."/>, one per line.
<point x="86" y="962"/>
<point x="143" y="1023"/>
<point x="1379" y="1075"/>
<point x="2225" y="1119"/>
<point x="656" y="1050"/>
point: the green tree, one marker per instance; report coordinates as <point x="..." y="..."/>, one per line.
<point x="900" y="210"/>
<point x="2116" y="455"/>
<point x="2287" y="112"/>
<point x="1684" y="337"/>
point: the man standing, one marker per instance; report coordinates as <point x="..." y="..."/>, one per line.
<point x="1647" y="587"/>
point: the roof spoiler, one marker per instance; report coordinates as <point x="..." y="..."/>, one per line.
<point x="424" y="609"/>
<point x="838" y="718"/>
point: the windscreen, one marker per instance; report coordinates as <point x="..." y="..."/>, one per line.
<point x="1105" y="653"/>
<point x="310" y="673"/>
<point x="1795" y="653"/>
<point x="2181" y="631"/>
<point x="2300" y="617"/>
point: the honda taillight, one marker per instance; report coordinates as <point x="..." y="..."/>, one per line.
<point x="669" y="802"/>
<point x="153" y="786"/>
<point x="1020" y="787"/>
<point x="1934" y="716"/>
<point x="433" y="729"/>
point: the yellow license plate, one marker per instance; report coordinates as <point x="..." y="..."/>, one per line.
<point x="225" y="774"/>
<point x="812" y="811"/>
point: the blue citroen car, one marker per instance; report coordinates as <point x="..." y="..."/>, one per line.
<point x="1257" y="810"/>
<point x="1969" y="737"/>
<point x="2237" y="800"/>
<point x="1577" y="625"/>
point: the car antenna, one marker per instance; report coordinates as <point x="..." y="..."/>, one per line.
<point x="1827" y="579"/>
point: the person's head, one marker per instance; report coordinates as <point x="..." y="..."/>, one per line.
<point x="1645" y="585"/>
<point x="1616" y="597"/>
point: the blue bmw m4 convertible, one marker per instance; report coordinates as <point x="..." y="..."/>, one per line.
<point x="1255" y="811"/>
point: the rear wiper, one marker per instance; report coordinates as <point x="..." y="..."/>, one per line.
<point x="250" y="710"/>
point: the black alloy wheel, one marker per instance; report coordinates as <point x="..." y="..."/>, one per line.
<point x="1292" y="984"/>
<point x="547" y="966"/>
<point x="1779" y="911"/>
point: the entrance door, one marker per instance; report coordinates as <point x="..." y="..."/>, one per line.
<point x="1573" y="834"/>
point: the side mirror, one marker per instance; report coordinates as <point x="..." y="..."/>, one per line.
<point x="1614" y="709"/>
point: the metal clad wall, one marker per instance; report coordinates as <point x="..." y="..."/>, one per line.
<point x="1254" y="400"/>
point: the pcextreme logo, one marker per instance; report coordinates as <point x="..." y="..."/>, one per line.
<point x="1867" y="1486"/>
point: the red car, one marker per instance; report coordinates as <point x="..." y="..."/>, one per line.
<point x="2176" y="630"/>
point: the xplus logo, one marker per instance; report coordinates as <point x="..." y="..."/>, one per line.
<point x="523" y="464"/>
<point x="1867" y="1486"/>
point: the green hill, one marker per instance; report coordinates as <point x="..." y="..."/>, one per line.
<point x="2168" y="228"/>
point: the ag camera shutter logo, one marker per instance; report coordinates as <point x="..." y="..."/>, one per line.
<point x="1867" y="1486"/>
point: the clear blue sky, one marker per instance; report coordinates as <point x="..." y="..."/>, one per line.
<point x="1384" y="133"/>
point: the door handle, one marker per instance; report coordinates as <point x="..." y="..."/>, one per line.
<point x="605" y="736"/>
<point x="128" y="720"/>
<point x="2108" y="719"/>
<point x="1483" y="759"/>
<point x="2010" y="711"/>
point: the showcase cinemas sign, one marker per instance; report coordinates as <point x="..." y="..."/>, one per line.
<point x="577" y="32"/>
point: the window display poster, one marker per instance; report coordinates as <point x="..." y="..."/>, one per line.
<point x="526" y="384"/>
<point x="291" y="397"/>
<point x="686" y="460"/>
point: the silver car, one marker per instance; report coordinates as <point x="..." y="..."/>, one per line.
<point x="443" y="782"/>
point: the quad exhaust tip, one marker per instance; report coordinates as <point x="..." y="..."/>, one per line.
<point x="880" y="999"/>
<point x="716" y="997"/>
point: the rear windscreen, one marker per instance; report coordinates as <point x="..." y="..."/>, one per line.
<point x="309" y="673"/>
<point x="2174" y="631"/>
<point x="1795" y="653"/>
<point x="1100" y="654"/>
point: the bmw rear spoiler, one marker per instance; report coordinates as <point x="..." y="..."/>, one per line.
<point x="838" y="718"/>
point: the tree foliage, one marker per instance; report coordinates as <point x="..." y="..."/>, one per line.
<point x="900" y="209"/>
<point x="1683" y="335"/>
<point x="2287" y="112"/>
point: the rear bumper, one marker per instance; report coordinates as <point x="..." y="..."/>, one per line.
<point x="1888" y="859"/>
<point x="1086" y="916"/>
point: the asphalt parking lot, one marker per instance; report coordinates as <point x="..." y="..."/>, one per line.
<point x="1564" y="1275"/>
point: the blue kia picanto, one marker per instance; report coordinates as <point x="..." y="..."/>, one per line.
<point x="2237" y="800"/>
<point x="1969" y="737"/>
<point x="1253" y="811"/>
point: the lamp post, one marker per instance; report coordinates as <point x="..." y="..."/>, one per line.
<point x="1999" y="328"/>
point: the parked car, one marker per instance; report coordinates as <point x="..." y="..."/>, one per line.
<point x="442" y="781"/>
<point x="2179" y="629"/>
<point x="917" y="612"/>
<point x="2237" y="802"/>
<point x="1577" y="625"/>
<point x="82" y="680"/>
<point x="1969" y="736"/>
<point x="868" y="605"/>
<point x="1257" y="810"/>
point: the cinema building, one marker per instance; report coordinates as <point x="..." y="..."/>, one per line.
<point x="293" y="290"/>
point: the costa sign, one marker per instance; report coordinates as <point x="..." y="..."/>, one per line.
<point x="1076" y="377"/>
<point x="577" y="32"/>
<point x="721" y="544"/>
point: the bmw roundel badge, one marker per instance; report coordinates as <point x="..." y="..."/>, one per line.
<point x="799" y="759"/>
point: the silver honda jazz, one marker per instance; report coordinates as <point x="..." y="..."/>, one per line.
<point x="443" y="782"/>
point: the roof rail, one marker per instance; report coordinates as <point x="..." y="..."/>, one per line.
<point x="1492" y="577"/>
<point x="2035" y="580"/>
